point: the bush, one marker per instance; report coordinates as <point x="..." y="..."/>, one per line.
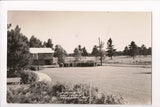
<point x="56" y="89"/>
<point x="42" y="92"/>
<point x="114" y="99"/>
<point x="35" y="93"/>
<point x="92" y="96"/>
<point x="28" y="77"/>
<point x="39" y="87"/>
<point x="36" y="68"/>
<point x="38" y="92"/>
<point x="79" y="64"/>
<point x="33" y="68"/>
<point x="15" y="95"/>
<point x="86" y="64"/>
<point x="13" y="73"/>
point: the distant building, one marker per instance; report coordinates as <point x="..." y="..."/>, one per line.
<point x="42" y="56"/>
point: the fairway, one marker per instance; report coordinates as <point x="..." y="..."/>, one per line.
<point x="133" y="83"/>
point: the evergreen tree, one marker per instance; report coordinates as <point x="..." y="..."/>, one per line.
<point x="78" y="53"/>
<point x="126" y="51"/>
<point x="133" y="49"/>
<point x="49" y="44"/>
<point x="139" y="50"/>
<point x="144" y="50"/>
<point x="35" y="43"/>
<point x="84" y="52"/>
<point x="149" y="51"/>
<point x="79" y="48"/>
<point x="18" y="57"/>
<point x="95" y="51"/>
<point x="110" y="48"/>
<point x="44" y="44"/>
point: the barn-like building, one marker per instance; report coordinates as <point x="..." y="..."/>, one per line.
<point x="42" y="56"/>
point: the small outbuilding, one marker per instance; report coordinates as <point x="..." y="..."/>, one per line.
<point x="41" y="56"/>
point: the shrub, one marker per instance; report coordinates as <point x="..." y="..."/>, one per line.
<point x="28" y="77"/>
<point x="39" y="87"/>
<point x="114" y="99"/>
<point x="36" y="68"/>
<point x="13" y="73"/>
<point x="56" y="89"/>
<point x="42" y="92"/>
<point x="33" y="68"/>
<point x="86" y="64"/>
<point x="37" y="92"/>
<point x="80" y="64"/>
<point x="91" y="95"/>
<point x="15" y="95"/>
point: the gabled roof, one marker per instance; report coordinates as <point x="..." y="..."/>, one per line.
<point x="40" y="50"/>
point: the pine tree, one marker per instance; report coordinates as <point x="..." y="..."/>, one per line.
<point x="49" y="44"/>
<point x="126" y="51"/>
<point x="144" y="50"/>
<point x="149" y="51"/>
<point x="78" y="53"/>
<point x="133" y="49"/>
<point x="110" y="48"/>
<point x="44" y="44"/>
<point x="84" y="52"/>
<point x="18" y="57"/>
<point x="35" y="43"/>
<point x="95" y="51"/>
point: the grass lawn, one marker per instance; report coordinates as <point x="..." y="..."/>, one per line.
<point x="133" y="83"/>
<point x="139" y="60"/>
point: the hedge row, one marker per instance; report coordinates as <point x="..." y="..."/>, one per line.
<point x="79" y="64"/>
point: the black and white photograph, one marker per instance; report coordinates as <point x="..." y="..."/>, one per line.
<point x="79" y="57"/>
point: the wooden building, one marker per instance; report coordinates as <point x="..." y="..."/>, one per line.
<point x="42" y="56"/>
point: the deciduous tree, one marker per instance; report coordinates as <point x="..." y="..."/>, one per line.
<point x="60" y="53"/>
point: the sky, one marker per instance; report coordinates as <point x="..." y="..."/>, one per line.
<point x="72" y="28"/>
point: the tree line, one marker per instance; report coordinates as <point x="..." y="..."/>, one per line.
<point x="131" y="50"/>
<point x="18" y="49"/>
